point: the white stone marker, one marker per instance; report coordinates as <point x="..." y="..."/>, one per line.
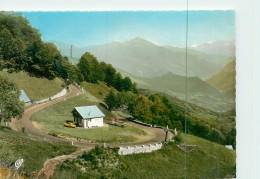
<point x="18" y="163"/>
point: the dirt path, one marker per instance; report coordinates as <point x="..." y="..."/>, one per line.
<point x="51" y="165"/>
<point x="154" y="134"/>
<point x="26" y="122"/>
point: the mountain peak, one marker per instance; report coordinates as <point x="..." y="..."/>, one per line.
<point x="139" y="40"/>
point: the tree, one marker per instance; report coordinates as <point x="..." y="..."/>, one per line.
<point x="10" y="104"/>
<point x="111" y="100"/>
<point x="110" y="75"/>
<point x="45" y="60"/>
<point x="124" y="98"/>
<point x="159" y="110"/>
<point x="19" y="27"/>
<point x="72" y="72"/>
<point x="177" y="125"/>
<point x="90" y="68"/>
<point x="140" y="108"/>
<point x="12" y="51"/>
<point x="16" y="36"/>
<point x="127" y="84"/>
<point x="118" y="82"/>
<point x="133" y="88"/>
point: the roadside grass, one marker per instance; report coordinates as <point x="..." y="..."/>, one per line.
<point x="35" y="88"/>
<point x="54" y="117"/>
<point x="99" y="90"/>
<point x="30" y="105"/>
<point x="211" y="160"/>
<point x="6" y="172"/>
<point x="16" y="145"/>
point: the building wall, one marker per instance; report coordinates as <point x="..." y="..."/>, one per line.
<point x="95" y="122"/>
<point x="85" y="123"/>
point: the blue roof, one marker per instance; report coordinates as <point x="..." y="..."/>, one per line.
<point x="23" y="97"/>
<point x="88" y="112"/>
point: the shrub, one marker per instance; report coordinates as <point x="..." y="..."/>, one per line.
<point x="178" y="139"/>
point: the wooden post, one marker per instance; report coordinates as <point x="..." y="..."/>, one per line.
<point x="166" y="135"/>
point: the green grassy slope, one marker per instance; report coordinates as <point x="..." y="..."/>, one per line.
<point x="15" y="145"/>
<point x="35" y="88"/>
<point x="54" y="117"/>
<point x="211" y="160"/>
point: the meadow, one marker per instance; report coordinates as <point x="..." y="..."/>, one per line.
<point x="54" y="117"/>
<point x="16" y="145"/>
<point x="35" y="88"/>
<point x="211" y="160"/>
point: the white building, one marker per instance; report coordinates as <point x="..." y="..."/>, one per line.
<point x="88" y="116"/>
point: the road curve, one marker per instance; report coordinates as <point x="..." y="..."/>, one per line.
<point x="51" y="164"/>
<point x="26" y="123"/>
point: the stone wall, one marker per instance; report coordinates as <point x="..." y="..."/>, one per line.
<point x="139" y="149"/>
<point x="58" y="95"/>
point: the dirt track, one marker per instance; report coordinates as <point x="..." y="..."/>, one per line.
<point x="26" y="123"/>
<point x="154" y="134"/>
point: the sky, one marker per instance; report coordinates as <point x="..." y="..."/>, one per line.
<point x="161" y="27"/>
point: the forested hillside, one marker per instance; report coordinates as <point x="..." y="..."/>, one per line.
<point x="22" y="49"/>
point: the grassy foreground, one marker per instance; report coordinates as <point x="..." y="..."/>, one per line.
<point x="35" y="88"/>
<point x="16" y="145"/>
<point x="54" y="117"/>
<point x="211" y="160"/>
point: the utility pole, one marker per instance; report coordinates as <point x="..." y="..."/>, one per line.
<point x="71" y="51"/>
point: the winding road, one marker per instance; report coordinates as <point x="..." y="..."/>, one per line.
<point x="25" y="123"/>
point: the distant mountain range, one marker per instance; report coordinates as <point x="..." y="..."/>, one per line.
<point x="221" y="47"/>
<point x="225" y="80"/>
<point x="162" y="69"/>
<point x="198" y="91"/>
<point x="146" y="59"/>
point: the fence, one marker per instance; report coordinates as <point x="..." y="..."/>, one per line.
<point x="139" y="149"/>
<point x="174" y="132"/>
<point x="142" y="123"/>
